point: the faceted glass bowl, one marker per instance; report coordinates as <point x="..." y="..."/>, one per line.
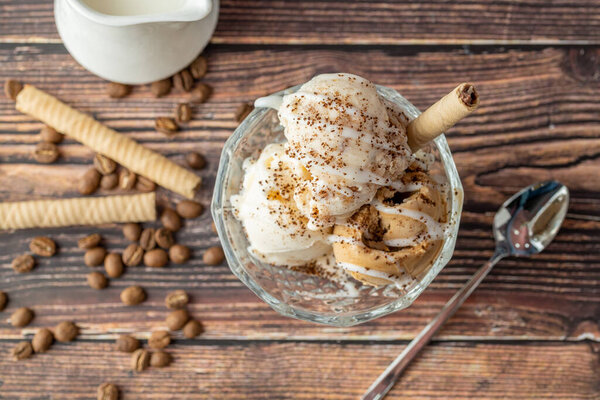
<point x="297" y="294"/>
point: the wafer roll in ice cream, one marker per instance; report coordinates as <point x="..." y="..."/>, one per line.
<point x="442" y="115"/>
<point x="106" y="141"/>
<point x="78" y="211"/>
<point x="394" y="239"/>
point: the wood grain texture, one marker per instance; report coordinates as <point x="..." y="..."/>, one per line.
<point x="530" y="331"/>
<point x="259" y="370"/>
<point x="538" y="120"/>
<point x="363" y="22"/>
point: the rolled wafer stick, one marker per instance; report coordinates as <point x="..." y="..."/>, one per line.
<point x="107" y="142"/>
<point x="78" y="211"/>
<point x="444" y="114"/>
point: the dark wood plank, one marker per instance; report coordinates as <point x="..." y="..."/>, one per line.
<point x="363" y="22"/>
<point x="538" y="120"/>
<point x="261" y="370"/>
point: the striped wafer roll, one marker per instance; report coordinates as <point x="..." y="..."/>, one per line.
<point x="107" y="142"/>
<point x="442" y="115"/>
<point x="78" y="211"/>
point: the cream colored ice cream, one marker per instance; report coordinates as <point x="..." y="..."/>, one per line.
<point x="344" y="187"/>
<point x="340" y="130"/>
<point x="274" y="226"/>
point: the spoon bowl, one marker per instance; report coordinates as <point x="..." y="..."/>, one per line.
<point x="527" y="222"/>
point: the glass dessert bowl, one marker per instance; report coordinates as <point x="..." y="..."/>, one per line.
<point x="298" y="292"/>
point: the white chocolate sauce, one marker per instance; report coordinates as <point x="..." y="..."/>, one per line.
<point x="401" y="281"/>
<point x="274" y="101"/>
<point x="435" y="230"/>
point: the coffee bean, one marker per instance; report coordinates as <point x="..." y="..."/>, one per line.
<point x="213" y="256"/>
<point x="147" y="241"/>
<point x="179" y="253"/>
<point x="192" y="329"/>
<point x="3" y="300"/>
<point x="132" y="255"/>
<point x="89" y="182"/>
<point x="23" y="263"/>
<point x="107" y="391"/>
<point x="189" y="209"/>
<point x="161" y="88"/>
<point x="117" y="90"/>
<point x="22" y="351"/>
<point x="127" y="344"/>
<point x="43" y="246"/>
<point x="166" y="125"/>
<point x="126" y="179"/>
<point x="89" y="242"/>
<point x="21" y="317"/>
<point x="96" y="280"/>
<point x="132" y="231"/>
<point x="104" y="165"/>
<point x="49" y="134"/>
<point x="177" y="299"/>
<point x="66" y="331"/>
<point x="42" y="340"/>
<point x="201" y="93"/>
<point x="177" y="319"/>
<point x="164" y="238"/>
<point x="140" y="359"/>
<point x="144" y="184"/>
<point x="113" y="265"/>
<point x="156" y="258"/>
<point x="213" y="228"/>
<point x="159" y="340"/>
<point x="183" y="113"/>
<point x="45" y="153"/>
<point x="160" y="359"/>
<point x="133" y="295"/>
<point x="12" y="88"/>
<point x="170" y="220"/>
<point x="195" y="160"/>
<point x="243" y="111"/>
<point x="94" y="256"/>
<point x="109" y="182"/>
<point x="183" y="81"/>
<point x="199" y="67"/>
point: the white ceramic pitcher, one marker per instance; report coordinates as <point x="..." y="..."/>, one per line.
<point x="145" y="46"/>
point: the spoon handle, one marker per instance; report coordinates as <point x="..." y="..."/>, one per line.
<point x="388" y="378"/>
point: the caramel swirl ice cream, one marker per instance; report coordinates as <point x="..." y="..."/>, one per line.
<point x="394" y="239"/>
<point x="343" y="186"/>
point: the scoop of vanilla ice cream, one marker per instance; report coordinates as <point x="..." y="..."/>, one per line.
<point x="341" y="132"/>
<point x="275" y="228"/>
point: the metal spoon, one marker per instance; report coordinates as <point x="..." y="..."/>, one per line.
<point x="524" y="225"/>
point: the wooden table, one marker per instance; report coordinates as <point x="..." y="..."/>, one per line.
<point x="530" y="331"/>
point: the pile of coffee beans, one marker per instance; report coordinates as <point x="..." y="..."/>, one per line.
<point x="66" y="331"/>
<point x="178" y="319"/>
<point x="154" y="247"/>
<point x="109" y="175"/>
<point x="41" y="246"/>
<point x="183" y="81"/>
